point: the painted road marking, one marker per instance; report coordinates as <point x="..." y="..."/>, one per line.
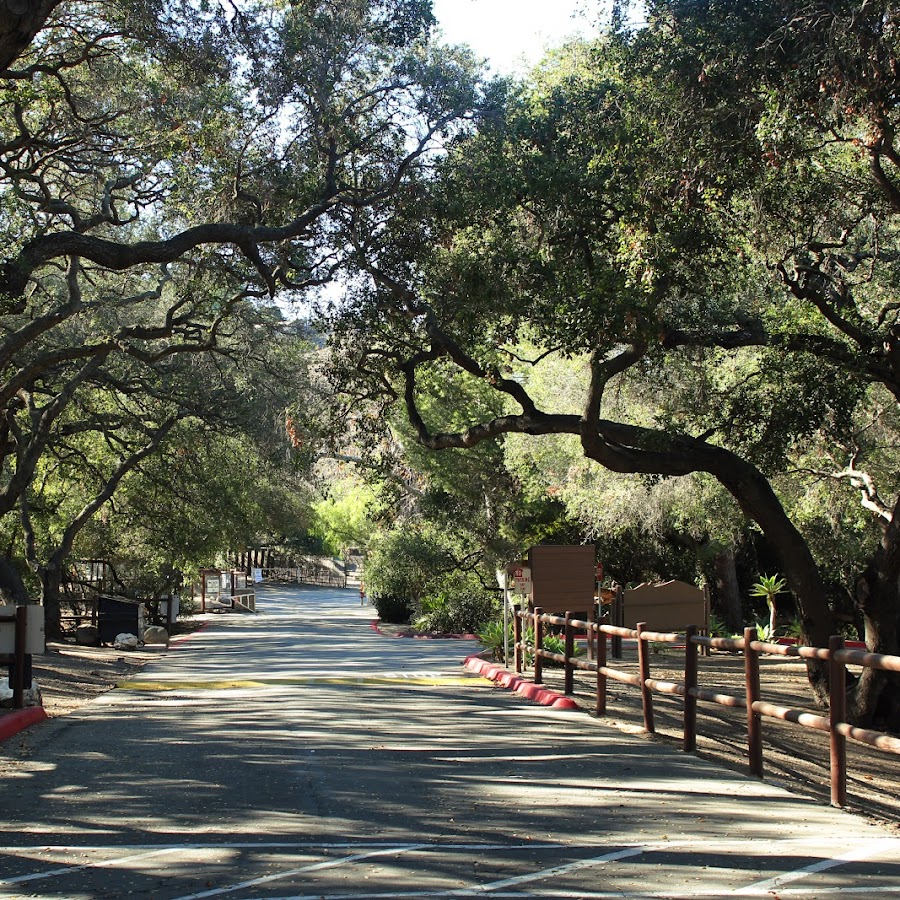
<point x="500" y="888"/>
<point x="314" y="867"/>
<point x="75" y="867"/>
<point x="551" y="894"/>
<point x="555" y="871"/>
<point x="855" y="854"/>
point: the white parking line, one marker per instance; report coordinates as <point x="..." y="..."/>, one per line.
<point x="67" y="870"/>
<point x="855" y="854"/>
<point x="496" y="889"/>
<point x="869" y="891"/>
<point x="313" y="867"/>
<point x="552" y="872"/>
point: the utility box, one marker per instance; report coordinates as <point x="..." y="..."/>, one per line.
<point x="115" y="616"/>
<point x="34" y="629"/>
<point x="563" y="577"/>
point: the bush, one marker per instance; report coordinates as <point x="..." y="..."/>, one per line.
<point x="399" y="567"/>
<point x="491" y="636"/>
<point x="454" y="614"/>
<point x="456" y="604"/>
<point x="391" y="608"/>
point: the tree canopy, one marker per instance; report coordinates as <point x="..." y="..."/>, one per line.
<point x="703" y="210"/>
<point x="167" y="169"/>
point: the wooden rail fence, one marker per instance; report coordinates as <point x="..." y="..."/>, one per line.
<point x="836" y="656"/>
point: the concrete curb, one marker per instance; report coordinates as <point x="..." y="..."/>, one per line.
<point x="512" y="682"/>
<point x="14" y="722"/>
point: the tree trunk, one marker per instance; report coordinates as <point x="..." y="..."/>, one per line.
<point x="20" y="21"/>
<point x="51" y="582"/>
<point x="12" y="588"/>
<point x="756" y="498"/>
<point x="727" y="589"/>
<point x="875" y="699"/>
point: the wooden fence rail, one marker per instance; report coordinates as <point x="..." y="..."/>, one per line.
<point x="836" y="656"/>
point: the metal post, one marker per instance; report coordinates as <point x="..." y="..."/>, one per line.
<point x="601" y="675"/>
<point x="754" y="726"/>
<point x="644" y="667"/>
<point x="538" y="645"/>
<point x="690" y="683"/>
<point x="837" y="713"/>
<point x="569" y="652"/>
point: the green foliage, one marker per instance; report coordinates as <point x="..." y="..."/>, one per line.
<point x="769" y="587"/>
<point x="343" y="516"/>
<point x="495" y="638"/>
<point x="401" y="564"/>
<point x="456" y="604"/>
<point x="717" y="626"/>
<point x="554" y="643"/>
<point x="392" y="608"/>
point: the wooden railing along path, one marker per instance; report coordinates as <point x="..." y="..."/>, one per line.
<point x="836" y="657"/>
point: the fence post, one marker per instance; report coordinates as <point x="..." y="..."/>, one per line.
<point x="618" y="617"/>
<point x="754" y="726"/>
<point x="19" y="656"/>
<point x="837" y="712"/>
<point x="690" y="682"/>
<point x="644" y="668"/>
<point x="601" y="675"/>
<point x="538" y="645"/>
<point x="569" y="652"/>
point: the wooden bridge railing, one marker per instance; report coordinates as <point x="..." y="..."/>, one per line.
<point x="836" y="656"/>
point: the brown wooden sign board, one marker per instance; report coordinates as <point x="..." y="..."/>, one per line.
<point x="563" y="577"/>
<point x="668" y="606"/>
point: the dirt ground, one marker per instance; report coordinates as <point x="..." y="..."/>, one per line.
<point x="793" y="756"/>
<point x="69" y="675"/>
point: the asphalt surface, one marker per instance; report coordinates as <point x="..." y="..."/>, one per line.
<point x="298" y="753"/>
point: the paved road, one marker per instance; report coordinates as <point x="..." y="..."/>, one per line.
<point x="299" y="754"/>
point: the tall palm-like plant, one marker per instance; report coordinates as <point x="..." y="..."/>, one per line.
<point x="769" y="587"/>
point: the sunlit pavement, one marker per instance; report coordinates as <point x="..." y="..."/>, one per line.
<point x="298" y="753"/>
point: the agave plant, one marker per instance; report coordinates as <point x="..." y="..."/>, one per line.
<point x="769" y="587"/>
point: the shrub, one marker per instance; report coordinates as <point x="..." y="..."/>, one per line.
<point x="399" y="567"/>
<point x="456" y="604"/>
<point x="491" y="636"/>
<point x="391" y="608"/>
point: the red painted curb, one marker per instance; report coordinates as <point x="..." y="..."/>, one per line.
<point x="179" y="639"/>
<point x="17" y="721"/>
<point x="512" y="682"/>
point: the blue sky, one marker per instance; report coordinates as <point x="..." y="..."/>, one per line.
<point x="513" y="33"/>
